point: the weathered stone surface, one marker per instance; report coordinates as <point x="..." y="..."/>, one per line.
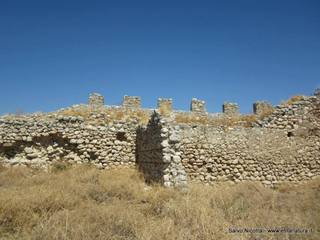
<point x="283" y="146"/>
<point x="230" y="108"/>
<point x="95" y="100"/>
<point x="131" y="102"/>
<point x="197" y="106"/>
<point x="165" y="105"/>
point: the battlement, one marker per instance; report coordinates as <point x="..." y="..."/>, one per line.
<point x="165" y="105"/>
<point x="230" y="108"/>
<point x="173" y="147"/>
<point x="196" y="106"/>
<point x="131" y="102"/>
<point x="262" y="107"/>
<point x="96" y="100"/>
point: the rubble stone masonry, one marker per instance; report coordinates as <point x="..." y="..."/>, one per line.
<point x="281" y="146"/>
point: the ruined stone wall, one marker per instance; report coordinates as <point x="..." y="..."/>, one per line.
<point x="294" y="115"/>
<point x="257" y="154"/>
<point x="35" y="142"/>
<point x="283" y="147"/>
<point x="173" y="147"/>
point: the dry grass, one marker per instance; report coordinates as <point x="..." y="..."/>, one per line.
<point x="293" y="99"/>
<point x="266" y="113"/>
<point x="85" y="203"/>
<point x="192" y="118"/>
<point x="107" y="115"/>
<point x="218" y="121"/>
<point x="84" y="112"/>
<point x="165" y="110"/>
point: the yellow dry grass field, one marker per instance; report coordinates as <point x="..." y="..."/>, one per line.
<point x="86" y="203"/>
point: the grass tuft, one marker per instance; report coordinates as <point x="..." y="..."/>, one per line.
<point x="85" y="203"/>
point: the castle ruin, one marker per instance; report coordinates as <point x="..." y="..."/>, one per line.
<point x="271" y="145"/>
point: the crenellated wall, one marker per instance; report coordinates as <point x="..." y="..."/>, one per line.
<point x="273" y="145"/>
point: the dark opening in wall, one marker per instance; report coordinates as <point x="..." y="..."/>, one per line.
<point x="209" y="170"/>
<point x="290" y="134"/>
<point x="121" y="136"/>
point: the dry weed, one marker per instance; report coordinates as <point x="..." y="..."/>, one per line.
<point x="86" y="203"/>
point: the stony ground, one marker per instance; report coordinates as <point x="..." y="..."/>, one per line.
<point x="86" y="203"/>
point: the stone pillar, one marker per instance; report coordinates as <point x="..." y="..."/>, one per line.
<point x="198" y="106"/>
<point x="230" y="108"/>
<point x="174" y="175"/>
<point x="96" y="100"/>
<point x="165" y="105"/>
<point x="262" y="107"/>
<point x="131" y="102"/>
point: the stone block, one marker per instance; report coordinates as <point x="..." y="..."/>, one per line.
<point x="230" y="108"/>
<point x="131" y="102"/>
<point x="96" y="100"/>
<point x="165" y="105"/>
<point x="198" y="106"/>
<point x="262" y="107"/>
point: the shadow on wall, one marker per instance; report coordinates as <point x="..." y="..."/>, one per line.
<point x="42" y="150"/>
<point x="149" y="154"/>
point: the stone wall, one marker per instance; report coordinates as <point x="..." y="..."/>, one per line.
<point x="33" y="142"/>
<point x="257" y="154"/>
<point x="283" y="145"/>
<point x="291" y="116"/>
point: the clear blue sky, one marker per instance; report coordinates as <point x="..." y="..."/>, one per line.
<point x="54" y="53"/>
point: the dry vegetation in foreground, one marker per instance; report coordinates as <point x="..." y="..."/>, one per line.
<point x="85" y="203"/>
